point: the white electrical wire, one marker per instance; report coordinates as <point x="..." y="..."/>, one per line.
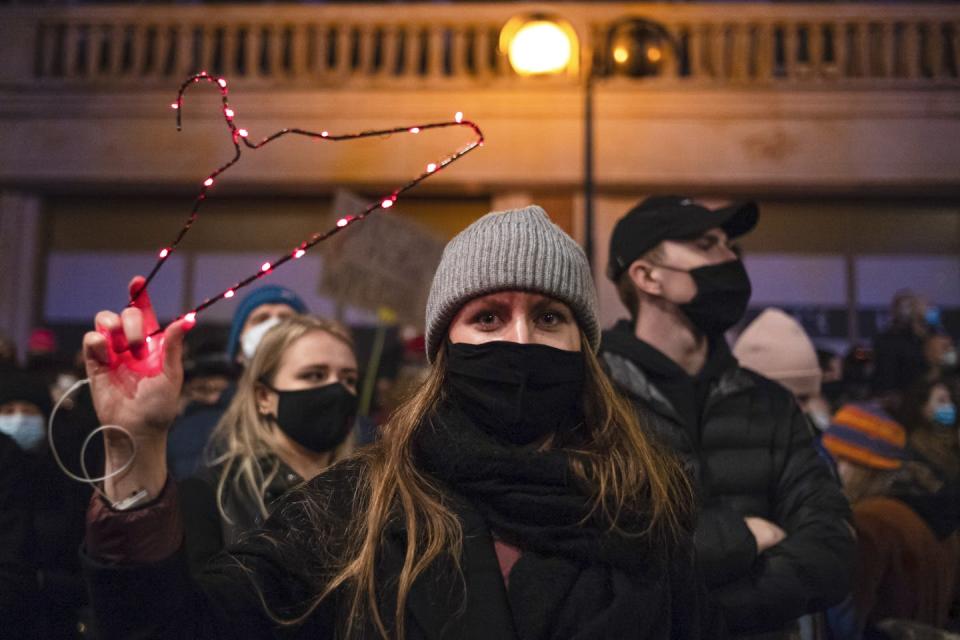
<point x="86" y="443"/>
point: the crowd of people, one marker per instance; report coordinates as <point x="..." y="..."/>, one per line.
<point x="678" y="475"/>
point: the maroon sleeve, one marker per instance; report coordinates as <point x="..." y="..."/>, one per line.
<point x="146" y="534"/>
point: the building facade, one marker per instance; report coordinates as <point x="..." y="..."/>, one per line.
<point x="842" y="119"/>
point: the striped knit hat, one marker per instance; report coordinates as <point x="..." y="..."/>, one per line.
<point x="866" y="435"/>
<point x="520" y="249"/>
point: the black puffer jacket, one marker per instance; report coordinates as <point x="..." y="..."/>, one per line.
<point x="750" y="454"/>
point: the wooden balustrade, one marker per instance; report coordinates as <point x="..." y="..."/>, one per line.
<point x="324" y="45"/>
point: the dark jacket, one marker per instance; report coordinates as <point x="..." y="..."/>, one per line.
<point x="163" y="601"/>
<point x="206" y="532"/>
<point x="904" y="570"/>
<point x="18" y="583"/>
<point x="898" y="360"/>
<point x="190" y="433"/>
<point x="749" y="450"/>
<point x="41" y="526"/>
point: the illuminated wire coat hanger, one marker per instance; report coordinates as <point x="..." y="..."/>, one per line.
<point x="241" y="138"/>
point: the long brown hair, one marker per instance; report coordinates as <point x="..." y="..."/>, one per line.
<point x="239" y="442"/>
<point x="614" y="457"/>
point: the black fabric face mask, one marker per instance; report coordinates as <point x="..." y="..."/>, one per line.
<point x="723" y="291"/>
<point x="517" y="393"/>
<point x="319" y="419"/>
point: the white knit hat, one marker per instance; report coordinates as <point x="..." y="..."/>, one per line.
<point x="777" y="347"/>
<point x="518" y="249"/>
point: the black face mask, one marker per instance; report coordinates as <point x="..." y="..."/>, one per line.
<point x="517" y="393"/>
<point x="723" y="291"/>
<point x="319" y="418"/>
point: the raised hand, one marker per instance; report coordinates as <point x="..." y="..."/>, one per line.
<point x="135" y="380"/>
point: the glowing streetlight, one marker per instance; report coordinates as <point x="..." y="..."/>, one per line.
<point x="638" y="47"/>
<point x="540" y="45"/>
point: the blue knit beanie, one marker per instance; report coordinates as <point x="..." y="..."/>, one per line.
<point x="270" y="294"/>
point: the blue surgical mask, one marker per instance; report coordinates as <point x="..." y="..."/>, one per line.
<point x="945" y="415"/>
<point x="26" y="430"/>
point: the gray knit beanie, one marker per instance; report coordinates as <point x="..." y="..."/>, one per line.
<point x="516" y="249"/>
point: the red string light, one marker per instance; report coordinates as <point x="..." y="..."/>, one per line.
<point x="240" y="138"/>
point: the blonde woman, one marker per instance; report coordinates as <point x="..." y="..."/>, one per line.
<point x="514" y="495"/>
<point x="291" y="418"/>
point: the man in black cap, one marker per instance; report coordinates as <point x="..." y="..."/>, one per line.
<point x="773" y="539"/>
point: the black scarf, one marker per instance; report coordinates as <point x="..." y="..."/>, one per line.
<point x="575" y="579"/>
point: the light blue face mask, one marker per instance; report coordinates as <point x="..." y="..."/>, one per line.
<point x="26" y="430"/>
<point x="945" y="415"/>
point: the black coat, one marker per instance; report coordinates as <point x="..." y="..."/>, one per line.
<point x="206" y="532"/>
<point x="162" y="600"/>
<point x="898" y="360"/>
<point x="41" y="527"/>
<point x="751" y="453"/>
<point x="18" y="583"/>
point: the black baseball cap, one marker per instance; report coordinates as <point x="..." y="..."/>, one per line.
<point x="660" y="218"/>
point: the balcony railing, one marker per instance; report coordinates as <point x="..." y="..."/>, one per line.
<point x="446" y="45"/>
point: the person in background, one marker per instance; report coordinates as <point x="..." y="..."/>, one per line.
<point x="513" y="496"/>
<point x="18" y="582"/>
<point x="776" y="346"/>
<point x="858" y="374"/>
<point x="773" y="536"/>
<point x="899" y="358"/>
<point x="411" y="373"/>
<point x="42" y="516"/>
<point x="45" y="362"/>
<point x="18" y="585"/>
<point x="907" y="554"/>
<point x="41" y="349"/>
<point x="831" y="386"/>
<point x="206" y="375"/>
<point x="290" y="418"/>
<point x="929" y="414"/>
<point x="8" y="354"/>
<point x="940" y="351"/>
<point x="259" y="311"/>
